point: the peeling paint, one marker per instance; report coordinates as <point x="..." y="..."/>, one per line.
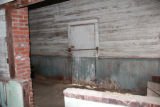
<point x="20" y="57"/>
<point x="112" y="74"/>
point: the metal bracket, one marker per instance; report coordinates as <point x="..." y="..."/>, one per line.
<point x="7" y="61"/>
<point x="6" y="39"/>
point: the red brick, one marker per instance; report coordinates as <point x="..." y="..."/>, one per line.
<point x="20" y="64"/>
<point x="19" y="40"/>
<point x="23" y="13"/>
<point x="18" y="32"/>
<point x="15" y="20"/>
<point x="23" y="21"/>
<point x="14" y="12"/>
<point x="19" y="24"/>
<point x="14" y="27"/>
<point x="26" y="32"/>
<point x="25" y="17"/>
<point x="27" y="40"/>
<point x="21" y="46"/>
<point x="17" y="16"/>
<point x="24" y="28"/>
<point x="20" y="36"/>
<point x="19" y="49"/>
<point x="15" y="45"/>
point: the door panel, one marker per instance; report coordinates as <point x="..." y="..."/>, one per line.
<point x="83" y="46"/>
<point x="83" y="36"/>
<point x="4" y="67"/>
<point x="84" y="70"/>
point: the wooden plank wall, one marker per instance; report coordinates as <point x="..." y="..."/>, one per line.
<point x="4" y="67"/>
<point x="127" y="28"/>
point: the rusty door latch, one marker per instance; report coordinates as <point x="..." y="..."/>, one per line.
<point x="71" y="49"/>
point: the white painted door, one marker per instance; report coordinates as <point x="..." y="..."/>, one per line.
<point x="83" y="38"/>
<point x="4" y="66"/>
<point x="83" y="44"/>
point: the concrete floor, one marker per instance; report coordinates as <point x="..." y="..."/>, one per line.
<point x="49" y="94"/>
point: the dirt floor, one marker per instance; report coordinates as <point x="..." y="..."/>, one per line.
<point x="49" y="94"/>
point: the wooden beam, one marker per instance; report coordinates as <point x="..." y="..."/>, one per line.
<point x="10" y="42"/>
<point x="25" y="3"/>
<point x="19" y="3"/>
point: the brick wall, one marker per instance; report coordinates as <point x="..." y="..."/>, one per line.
<point x="20" y="34"/>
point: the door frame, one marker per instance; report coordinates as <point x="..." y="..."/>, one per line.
<point x="85" y="22"/>
<point x="9" y="39"/>
<point x="3" y="8"/>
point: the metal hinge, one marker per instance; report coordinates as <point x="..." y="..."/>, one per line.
<point x="6" y="39"/>
<point x="7" y="61"/>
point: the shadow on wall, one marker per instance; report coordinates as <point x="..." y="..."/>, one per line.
<point x="58" y="68"/>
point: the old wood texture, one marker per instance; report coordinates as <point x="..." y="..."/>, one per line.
<point x="127" y="29"/>
<point x="10" y="42"/>
<point x="4" y="66"/>
<point x="24" y="3"/>
<point x="5" y="1"/>
<point x="83" y="38"/>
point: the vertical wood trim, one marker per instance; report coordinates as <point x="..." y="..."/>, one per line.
<point x="97" y="38"/>
<point x="10" y="42"/>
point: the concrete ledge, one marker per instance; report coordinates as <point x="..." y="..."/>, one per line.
<point x="112" y="98"/>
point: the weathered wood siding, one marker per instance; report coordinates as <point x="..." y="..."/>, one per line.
<point x="5" y="1"/>
<point x="127" y="28"/>
<point x="110" y="73"/>
<point x="4" y="67"/>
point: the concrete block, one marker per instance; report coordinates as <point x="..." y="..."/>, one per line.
<point x="83" y="98"/>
